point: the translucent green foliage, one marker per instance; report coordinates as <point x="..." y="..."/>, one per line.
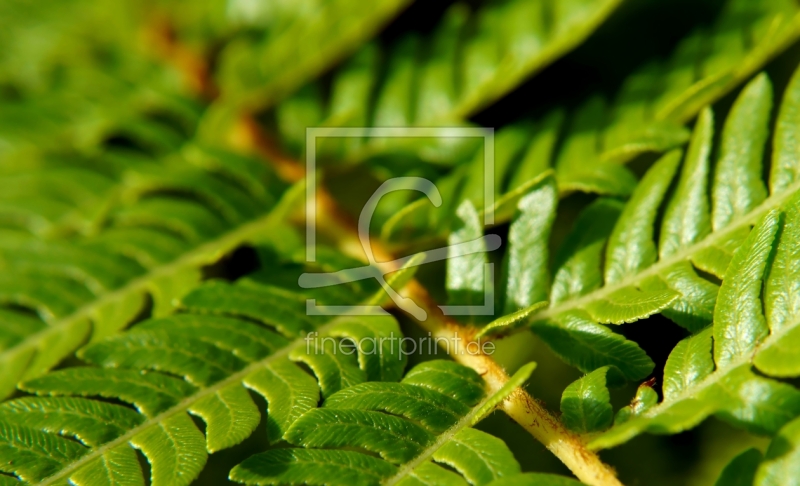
<point x="576" y="336"/>
<point x="644" y="399"/>
<point x="466" y="277"/>
<point x="700" y="381"/>
<point x="638" y="277"/>
<point x="686" y="218"/>
<point x="535" y="479"/>
<point x="128" y="335"/>
<point x="586" y="404"/>
<point x="780" y="462"/>
<point x="780" y="301"/>
<point x="60" y="94"/>
<point x="646" y="115"/>
<point x="512" y="321"/>
<point x="738" y="187"/>
<point x="706" y="64"/>
<point x="413" y="432"/>
<point x="741" y="470"/>
<point x="784" y="170"/>
<point x="258" y="72"/>
<point x="577" y="339"/>
<point x="144" y="234"/>
<point x="631" y="247"/>
<point x="526" y="263"/>
<point x="57" y="16"/>
<point x="434" y="376"/>
<point x="471" y="59"/>
<point x="690" y="362"/>
<point x="577" y="272"/>
<point x="203" y="362"/>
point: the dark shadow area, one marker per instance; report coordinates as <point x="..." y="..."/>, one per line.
<point x="658" y="344"/>
<point x="628" y="39"/>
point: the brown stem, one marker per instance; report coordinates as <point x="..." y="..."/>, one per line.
<point x="520" y="406"/>
<point x="164" y="44"/>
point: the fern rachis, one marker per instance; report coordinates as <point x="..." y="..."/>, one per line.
<point x="346" y="411"/>
<point x="232" y="357"/>
<point x="149" y="267"/>
<point x="700" y="247"/>
<point x="71" y="329"/>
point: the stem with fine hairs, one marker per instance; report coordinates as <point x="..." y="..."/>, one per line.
<point x="520" y="406"/>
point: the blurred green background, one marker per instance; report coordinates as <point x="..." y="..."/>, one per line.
<point x="93" y="73"/>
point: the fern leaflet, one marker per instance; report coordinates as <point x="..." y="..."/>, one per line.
<point x="152" y="246"/>
<point x="587" y="148"/>
<point x="477" y="57"/>
<point x="696" y="386"/>
<point x="415" y="426"/>
<point x="198" y="362"/>
<point x="640" y="278"/>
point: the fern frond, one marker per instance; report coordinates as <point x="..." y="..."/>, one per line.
<point x="419" y="427"/>
<point x="230" y="338"/>
<point x="296" y="42"/>
<point x="155" y="228"/>
<point x="535" y="479"/>
<point x="125" y="355"/>
<point x="779" y="465"/>
<point x="40" y="38"/>
<point x="96" y="107"/>
<point x="746" y="331"/>
<point x="741" y="470"/>
<point x="634" y="277"/>
<point x="699" y="382"/>
<point x="574" y="334"/>
<point x="647" y="113"/>
<point x="587" y="148"/>
<point x="476" y="58"/>
<point x="586" y="403"/>
<point x="72" y="80"/>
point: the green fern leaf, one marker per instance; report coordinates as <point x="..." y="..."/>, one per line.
<point x="783" y="170"/>
<point x="644" y="399"/>
<point x="136" y="101"/>
<point x="641" y="278"/>
<point x="723" y="67"/>
<point x="34" y="455"/>
<point x="97" y="286"/>
<point x="576" y="272"/>
<point x="119" y="222"/>
<point x="465" y="274"/>
<point x="586" y="404"/>
<point x="577" y="339"/>
<point x="632" y="125"/>
<point x="340" y="27"/>
<point x="199" y="363"/>
<point x="453" y="81"/>
<point x="631" y="246"/>
<point x="526" y="263"/>
<point x="644" y="117"/>
<point x="534" y="479"/>
<point x="741" y="470"/>
<point x="698" y="383"/>
<point x="572" y="163"/>
<point x="780" y="462"/>
<point x="738" y="187"/>
<point x="419" y="427"/>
